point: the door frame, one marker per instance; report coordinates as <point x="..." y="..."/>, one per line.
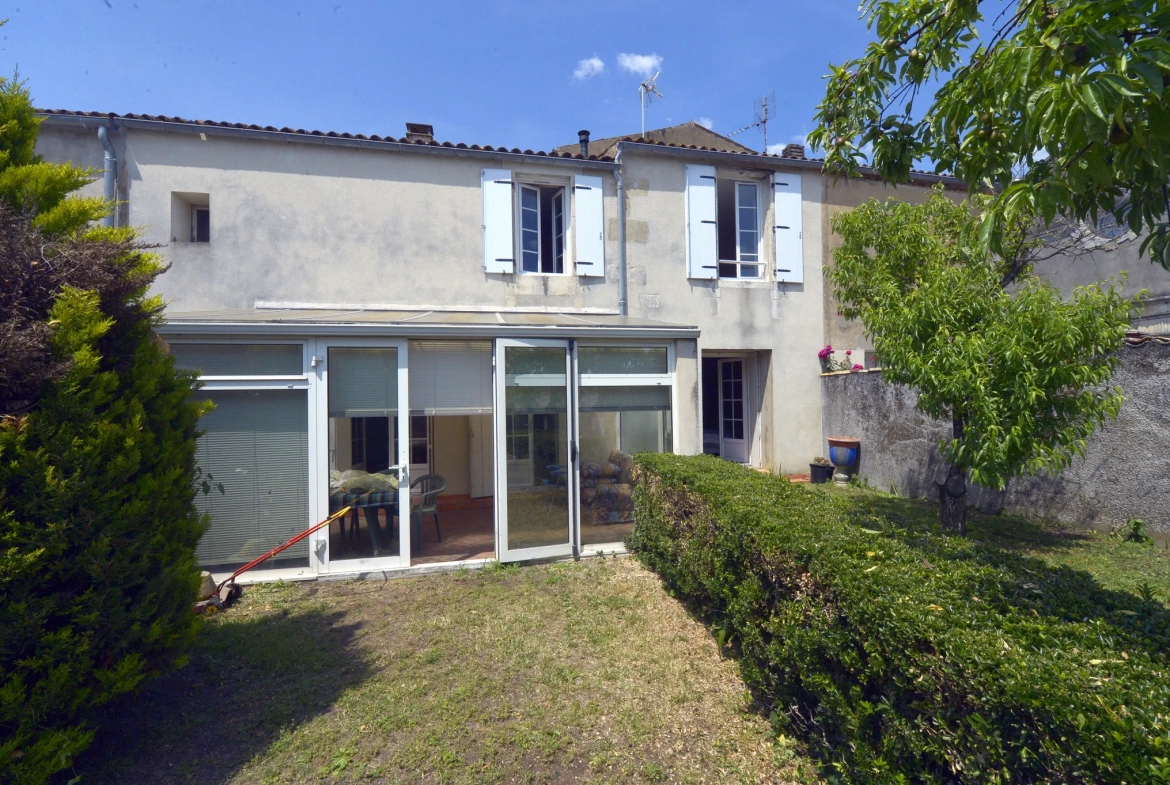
<point x="571" y="547"/>
<point x="746" y="441"/>
<point x="319" y="469"/>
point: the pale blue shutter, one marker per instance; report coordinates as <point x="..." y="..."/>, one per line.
<point x="589" y="231"/>
<point x="702" y="227"/>
<point x="788" y="228"/>
<point x="497" y="220"/>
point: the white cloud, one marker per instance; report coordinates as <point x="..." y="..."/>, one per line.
<point x="589" y="68"/>
<point x="778" y="148"/>
<point x="706" y="122"/>
<point x="642" y="65"/>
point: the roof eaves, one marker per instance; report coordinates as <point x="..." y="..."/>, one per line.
<point x="917" y="177"/>
<point x="300" y="135"/>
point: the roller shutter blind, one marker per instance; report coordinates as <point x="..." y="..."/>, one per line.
<point x="255" y="442"/>
<point x="788" y="229"/>
<point x="450" y="377"/>
<point x="702" y="225"/>
<point x="590" y="226"/>
<point x="239" y="359"/>
<point x="497" y="220"/>
<point x="363" y="382"/>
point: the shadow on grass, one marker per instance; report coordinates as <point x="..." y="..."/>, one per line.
<point x="247" y="680"/>
<point x="1025" y="583"/>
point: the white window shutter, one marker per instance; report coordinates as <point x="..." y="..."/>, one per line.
<point x="498" y="245"/>
<point x="702" y="228"/>
<point x="589" y="229"/>
<point x="788" y="229"/>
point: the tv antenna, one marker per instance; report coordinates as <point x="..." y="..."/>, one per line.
<point x="765" y="109"/>
<point x="647" y="92"/>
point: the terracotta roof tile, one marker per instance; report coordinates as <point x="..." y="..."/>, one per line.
<point x="562" y="152"/>
<point x="303" y="132"/>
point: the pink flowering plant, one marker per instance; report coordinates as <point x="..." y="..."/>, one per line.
<point x="830" y="362"/>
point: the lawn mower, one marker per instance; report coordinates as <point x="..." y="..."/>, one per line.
<point x="228" y="590"/>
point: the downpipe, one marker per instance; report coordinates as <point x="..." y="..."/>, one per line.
<point x="623" y="301"/>
<point x="110" y="170"/>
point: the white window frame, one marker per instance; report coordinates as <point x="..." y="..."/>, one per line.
<point x="739" y="261"/>
<point x="629" y="380"/>
<point x="292" y="382"/>
<point x="535" y="184"/>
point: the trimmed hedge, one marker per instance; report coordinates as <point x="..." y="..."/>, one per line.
<point x="903" y="655"/>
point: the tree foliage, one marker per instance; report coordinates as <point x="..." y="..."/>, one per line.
<point x="1019" y="372"/>
<point x="97" y="444"/>
<point x="1060" y="105"/>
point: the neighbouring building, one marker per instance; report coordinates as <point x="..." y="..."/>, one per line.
<point x="498" y="328"/>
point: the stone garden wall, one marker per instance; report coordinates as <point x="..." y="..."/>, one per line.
<point x="1125" y="473"/>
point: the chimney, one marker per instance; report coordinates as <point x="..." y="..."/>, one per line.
<point x="420" y="132"/>
<point x="583" y="136"/>
<point x="793" y="151"/>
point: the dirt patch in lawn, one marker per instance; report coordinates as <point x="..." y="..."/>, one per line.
<point x="582" y="672"/>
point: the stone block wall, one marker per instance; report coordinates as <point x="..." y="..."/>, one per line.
<point x="1124" y="474"/>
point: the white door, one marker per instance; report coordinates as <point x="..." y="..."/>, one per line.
<point x="733" y="442"/>
<point x="536" y="452"/>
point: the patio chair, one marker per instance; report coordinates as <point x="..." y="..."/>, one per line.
<point x="429" y="486"/>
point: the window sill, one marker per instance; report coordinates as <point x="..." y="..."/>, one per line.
<point x="745" y="283"/>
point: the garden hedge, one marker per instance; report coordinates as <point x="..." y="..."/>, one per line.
<point x="900" y="654"/>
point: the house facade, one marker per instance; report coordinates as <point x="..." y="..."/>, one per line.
<point x="498" y="329"/>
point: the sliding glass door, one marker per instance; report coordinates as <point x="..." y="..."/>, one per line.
<point x="535" y="450"/>
<point x="364" y="425"/>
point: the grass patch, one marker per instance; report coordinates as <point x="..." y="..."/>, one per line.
<point x="1114" y="562"/>
<point x="569" y="672"/>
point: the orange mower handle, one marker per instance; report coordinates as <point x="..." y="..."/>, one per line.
<point x="281" y="547"/>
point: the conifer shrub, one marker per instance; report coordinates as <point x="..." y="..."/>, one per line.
<point x="98" y="525"/>
<point x="902" y="654"/>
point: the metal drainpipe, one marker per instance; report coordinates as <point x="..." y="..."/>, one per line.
<point x="623" y="302"/>
<point x="111" y="170"/>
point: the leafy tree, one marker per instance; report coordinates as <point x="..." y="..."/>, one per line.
<point x="1060" y="106"/>
<point x="1020" y="373"/>
<point x="97" y="443"/>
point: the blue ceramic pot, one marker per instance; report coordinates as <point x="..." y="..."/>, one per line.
<point x="843" y="456"/>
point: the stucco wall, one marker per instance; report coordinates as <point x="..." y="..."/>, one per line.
<point x="292" y="222"/>
<point x="781" y="322"/>
<point x="1125" y="473"/>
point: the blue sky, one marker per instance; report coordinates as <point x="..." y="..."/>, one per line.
<point x="503" y="72"/>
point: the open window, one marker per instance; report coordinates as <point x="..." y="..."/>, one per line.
<point x="526" y="224"/>
<point x="190" y="217"/>
<point x="541" y="228"/>
<point x="739" y="229"/>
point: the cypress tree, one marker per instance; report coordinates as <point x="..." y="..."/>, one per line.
<point x="97" y="453"/>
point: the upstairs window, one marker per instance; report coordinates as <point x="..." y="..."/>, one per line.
<point x="526" y="225"/>
<point x="190" y="217"/>
<point x="739" y="230"/>
<point x="541" y="229"/>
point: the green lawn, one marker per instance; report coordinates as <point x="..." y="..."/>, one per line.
<point x="573" y="672"/>
<point x="1113" y="561"/>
